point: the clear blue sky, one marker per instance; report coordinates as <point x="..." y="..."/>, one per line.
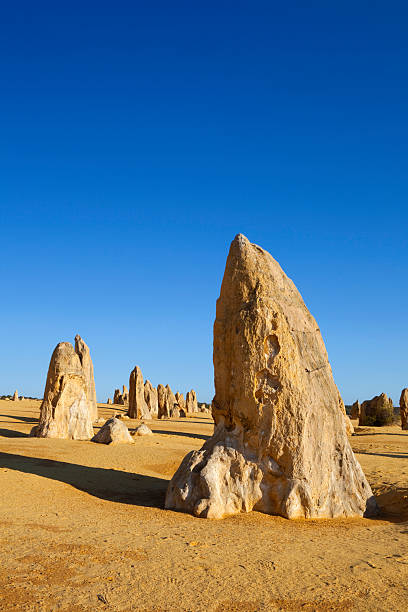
<point x="137" y="138"/>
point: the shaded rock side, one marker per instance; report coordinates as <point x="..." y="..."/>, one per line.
<point x="114" y="431"/>
<point x="404" y="409"/>
<point x="280" y="443"/>
<point x="82" y="350"/>
<point x="118" y="398"/>
<point x="66" y="411"/>
<point x="138" y="409"/>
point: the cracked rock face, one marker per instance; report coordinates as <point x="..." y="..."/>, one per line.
<point x="280" y="444"/>
<point x="67" y="409"/>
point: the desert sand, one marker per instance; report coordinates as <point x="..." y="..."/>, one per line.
<point x="83" y="527"/>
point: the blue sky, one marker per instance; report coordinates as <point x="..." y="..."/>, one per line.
<point x="136" y="140"/>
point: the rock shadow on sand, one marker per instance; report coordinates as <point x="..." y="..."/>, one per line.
<point x="182" y="433"/>
<point x="111" y="485"/>
<point x="23" y="419"/>
<point x="12" y="433"/>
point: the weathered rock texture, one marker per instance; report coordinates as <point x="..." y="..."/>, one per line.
<point x="280" y="443"/>
<point x="150" y="395"/>
<point x="114" y="431"/>
<point x="138" y="409"/>
<point x="66" y="410"/>
<point x="82" y="350"/>
<point x="191" y="401"/>
<point x="377" y="411"/>
<point x="355" y="410"/>
<point x="404" y="409"/>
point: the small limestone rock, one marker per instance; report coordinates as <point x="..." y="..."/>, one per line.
<point x="15" y="396"/>
<point x="67" y="409"/>
<point x="143" y="430"/>
<point x="175" y="412"/>
<point x="113" y="432"/>
<point x="279" y="444"/>
<point x="109" y="401"/>
<point x="404" y="409"/>
<point x="138" y="409"/>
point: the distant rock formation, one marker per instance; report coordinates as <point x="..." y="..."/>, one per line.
<point x="150" y="395"/>
<point x="138" y="409"/>
<point x="180" y="401"/>
<point x="355" y="410"/>
<point x="171" y="399"/>
<point x="404" y="409"/>
<point x="117" y="397"/>
<point x="15" y="396"/>
<point x="114" y="431"/>
<point x="67" y="410"/>
<point x="377" y="412"/>
<point x="280" y="443"/>
<point x="163" y="403"/>
<point x="191" y="401"/>
<point x="109" y="401"/>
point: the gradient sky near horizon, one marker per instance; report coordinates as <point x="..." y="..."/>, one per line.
<point x="138" y="138"/>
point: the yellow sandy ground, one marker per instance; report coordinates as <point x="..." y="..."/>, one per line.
<point x="82" y="527"/>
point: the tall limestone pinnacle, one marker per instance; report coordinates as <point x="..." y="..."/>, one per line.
<point x="69" y="403"/>
<point x="280" y="444"/>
